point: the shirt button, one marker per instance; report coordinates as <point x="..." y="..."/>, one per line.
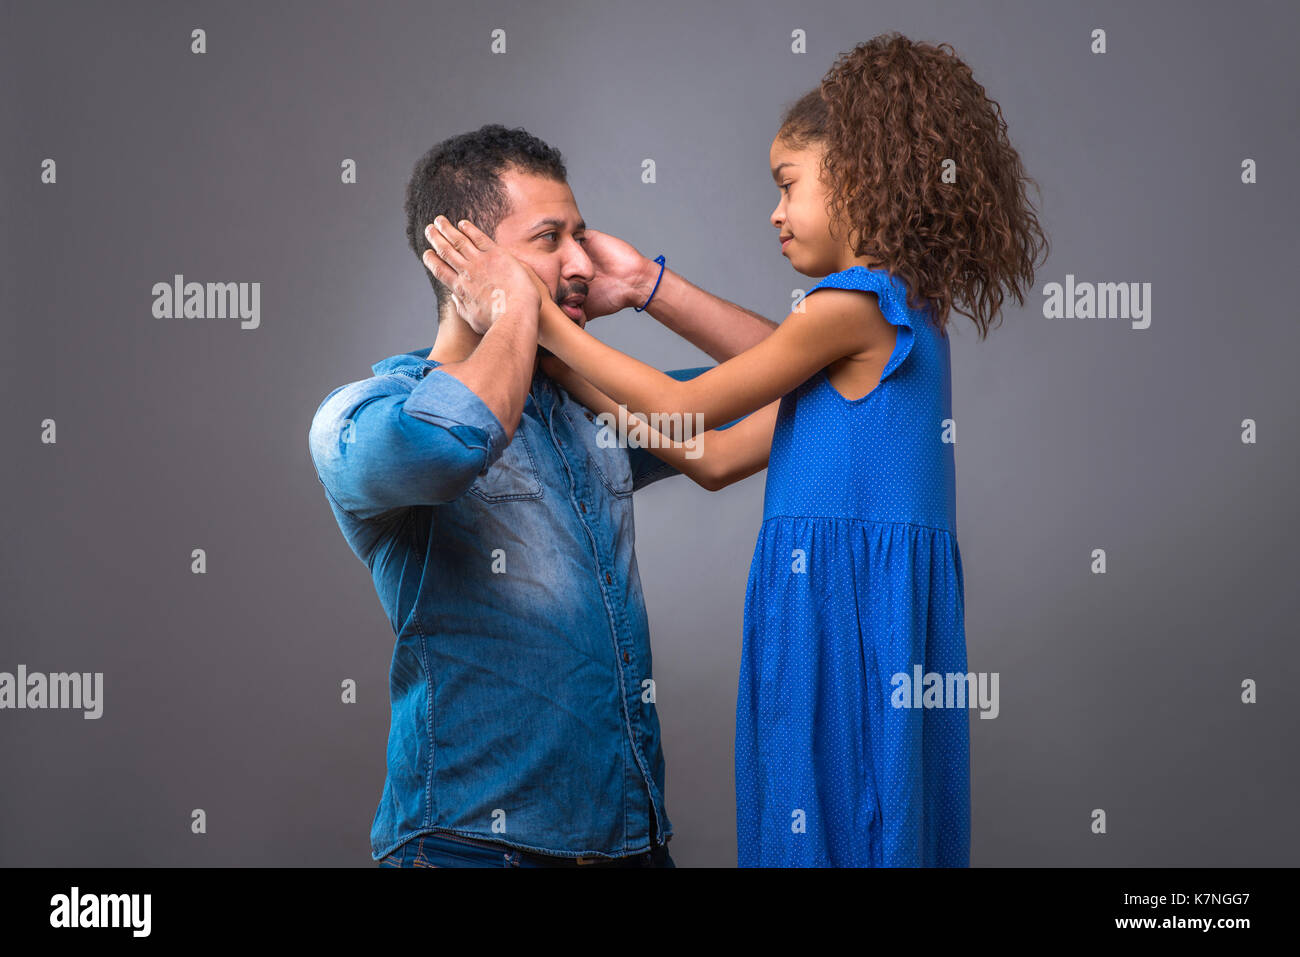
<point x="590" y="417"/>
<point x="583" y="507"/>
<point x="626" y="656"/>
<point x="608" y="580"/>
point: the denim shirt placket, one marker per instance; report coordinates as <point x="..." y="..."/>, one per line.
<point x="620" y="630"/>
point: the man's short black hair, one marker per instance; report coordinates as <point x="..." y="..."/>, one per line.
<point x="461" y="179"/>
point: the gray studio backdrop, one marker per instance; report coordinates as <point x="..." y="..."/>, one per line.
<point x="1119" y="691"/>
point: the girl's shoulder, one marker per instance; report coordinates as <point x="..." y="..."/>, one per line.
<point x="890" y="290"/>
<point x="866" y="278"/>
<point x="892" y="295"/>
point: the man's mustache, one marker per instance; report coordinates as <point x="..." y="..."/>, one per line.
<point x="577" y="289"/>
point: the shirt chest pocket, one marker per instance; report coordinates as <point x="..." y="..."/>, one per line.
<point x="608" y="461"/>
<point x="513" y="477"/>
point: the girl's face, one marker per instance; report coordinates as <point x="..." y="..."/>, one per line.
<point x="802" y="218"/>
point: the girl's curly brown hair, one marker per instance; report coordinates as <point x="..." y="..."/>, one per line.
<point x="888" y="115"/>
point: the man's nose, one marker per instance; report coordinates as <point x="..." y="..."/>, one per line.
<point x="577" y="266"/>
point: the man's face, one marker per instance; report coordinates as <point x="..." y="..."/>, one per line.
<point x="545" y="230"/>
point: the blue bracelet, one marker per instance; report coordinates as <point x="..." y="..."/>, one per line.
<point x="660" y="260"/>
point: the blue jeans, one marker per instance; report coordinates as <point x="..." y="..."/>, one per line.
<point x="441" y="850"/>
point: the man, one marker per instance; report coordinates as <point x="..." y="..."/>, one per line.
<point x="499" y="534"/>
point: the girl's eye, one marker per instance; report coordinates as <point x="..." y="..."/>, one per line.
<point x="786" y="186"/>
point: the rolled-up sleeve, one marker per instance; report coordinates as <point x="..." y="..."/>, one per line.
<point x="378" y="445"/>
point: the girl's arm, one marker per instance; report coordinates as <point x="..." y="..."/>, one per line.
<point x="719" y="458"/>
<point x="832" y="324"/>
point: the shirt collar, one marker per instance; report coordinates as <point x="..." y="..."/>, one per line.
<point x="412" y="362"/>
<point x="417" y="363"/>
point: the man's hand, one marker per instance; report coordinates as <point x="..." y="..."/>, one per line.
<point x="486" y="280"/>
<point x="623" y="276"/>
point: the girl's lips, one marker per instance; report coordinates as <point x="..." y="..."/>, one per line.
<point x="786" y="240"/>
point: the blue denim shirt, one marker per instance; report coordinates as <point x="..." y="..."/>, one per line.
<point x="522" y="704"/>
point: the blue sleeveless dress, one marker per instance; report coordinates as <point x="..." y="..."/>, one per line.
<point x="856" y="583"/>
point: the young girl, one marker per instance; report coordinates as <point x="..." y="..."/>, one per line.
<point x="899" y="187"/>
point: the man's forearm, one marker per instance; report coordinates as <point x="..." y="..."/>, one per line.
<point x="718" y="327"/>
<point x="500" y="369"/>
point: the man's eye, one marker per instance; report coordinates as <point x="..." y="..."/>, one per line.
<point x="551" y="233"/>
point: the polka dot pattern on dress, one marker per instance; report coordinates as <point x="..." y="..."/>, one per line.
<point x="856" y="579"/>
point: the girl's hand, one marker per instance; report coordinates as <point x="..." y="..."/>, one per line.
<point x="485" y="279"/>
